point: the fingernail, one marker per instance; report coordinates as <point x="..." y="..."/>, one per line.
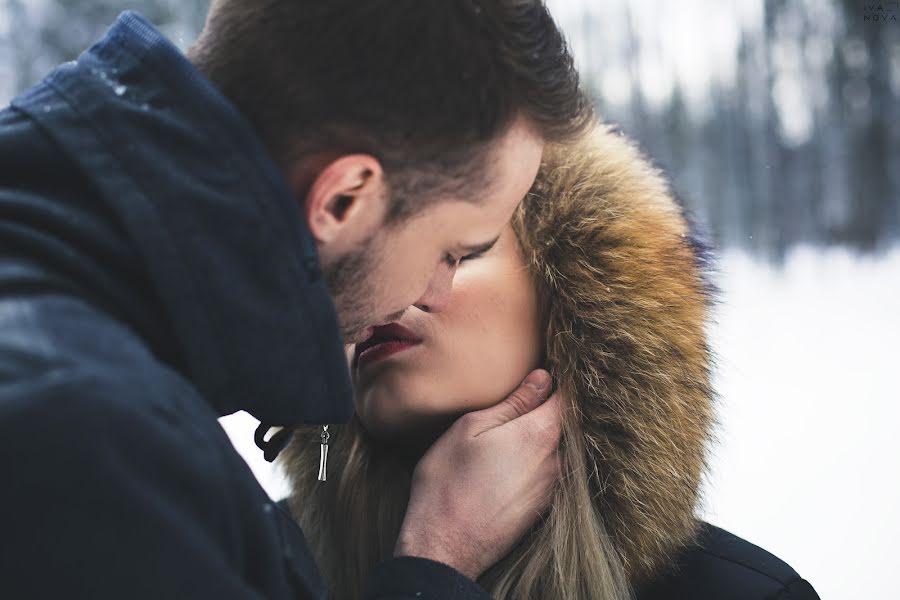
<point x="539" y="380"/>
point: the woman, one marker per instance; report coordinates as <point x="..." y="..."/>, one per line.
<point x="599" y="279"/>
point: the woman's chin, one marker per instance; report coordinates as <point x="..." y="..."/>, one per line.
<point x="403" y="429"/>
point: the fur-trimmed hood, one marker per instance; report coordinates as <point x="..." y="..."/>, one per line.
<point x="623" y="281"/>
<point x="626" y="279"/>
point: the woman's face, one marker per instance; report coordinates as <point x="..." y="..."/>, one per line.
<point x="471" y="353"/>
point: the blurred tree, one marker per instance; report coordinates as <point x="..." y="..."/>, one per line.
<point x="802" y="145"/>
<point x="869" y="111"/>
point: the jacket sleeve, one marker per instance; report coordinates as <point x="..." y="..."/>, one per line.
<point x="416" y="578"/>
<point x="104" y="496"/>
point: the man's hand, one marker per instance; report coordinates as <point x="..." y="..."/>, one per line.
<point x="485" y="481"/>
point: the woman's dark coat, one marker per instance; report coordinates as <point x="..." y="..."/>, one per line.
<point x="720" y="565"/>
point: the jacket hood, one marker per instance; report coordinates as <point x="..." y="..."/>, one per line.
<point x="625" y="276"/>
<point x="177" y="184"/>
<point x="624" y="279"/>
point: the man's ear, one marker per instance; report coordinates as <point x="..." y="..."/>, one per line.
<point x="345" y="203"/>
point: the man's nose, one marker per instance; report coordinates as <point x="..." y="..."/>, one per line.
<point x="437" y="295"/>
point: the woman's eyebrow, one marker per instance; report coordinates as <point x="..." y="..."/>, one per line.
<point x="480" y="247"/>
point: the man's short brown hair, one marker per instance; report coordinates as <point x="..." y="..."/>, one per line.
<point x="423" y="85"/>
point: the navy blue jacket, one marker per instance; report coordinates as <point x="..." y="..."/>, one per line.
<point x="721" y="566"/>
<point x="155" y="274"/>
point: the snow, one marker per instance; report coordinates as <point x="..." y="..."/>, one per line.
<point x="808" y="454"/>
<point x="240" y="427"/>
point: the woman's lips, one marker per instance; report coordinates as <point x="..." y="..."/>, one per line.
<point x="382" y="350"/>
<point x="385" y="340"/>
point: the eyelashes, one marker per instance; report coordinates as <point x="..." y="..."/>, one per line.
<point x="453" y="262"/>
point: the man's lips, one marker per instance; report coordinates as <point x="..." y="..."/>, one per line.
<point x="384" y="341"/>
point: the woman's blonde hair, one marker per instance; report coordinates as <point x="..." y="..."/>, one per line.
<point x="623" y="280"/>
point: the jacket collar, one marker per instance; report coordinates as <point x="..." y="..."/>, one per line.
<point x="218" y="231"/>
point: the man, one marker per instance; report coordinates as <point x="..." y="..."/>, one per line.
<point x="173" y="232"/>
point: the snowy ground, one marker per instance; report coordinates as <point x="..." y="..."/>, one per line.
<point x="809" y="453"/>
<point x="809" y="449"/>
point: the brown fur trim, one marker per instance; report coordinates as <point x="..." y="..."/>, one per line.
<point x="627" y="296"/>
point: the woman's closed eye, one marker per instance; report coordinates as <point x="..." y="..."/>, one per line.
<point x="472" y="256"/>
<point x="453" y="262"/>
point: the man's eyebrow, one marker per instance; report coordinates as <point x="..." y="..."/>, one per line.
<point x="480" y="247"/>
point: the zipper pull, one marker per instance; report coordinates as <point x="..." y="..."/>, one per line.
<point x="323" y="452"/>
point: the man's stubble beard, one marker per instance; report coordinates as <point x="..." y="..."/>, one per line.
<point x="349" y="280"/>
<point x="346" y="280"/>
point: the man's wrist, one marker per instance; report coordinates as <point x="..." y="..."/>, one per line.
<point x="431" y="547"/>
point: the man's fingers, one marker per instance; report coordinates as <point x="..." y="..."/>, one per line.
<point x="544" y="418"/>
<point x="528" y="396"/>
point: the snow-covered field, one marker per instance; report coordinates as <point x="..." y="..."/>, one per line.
<point x="808" y="464"/>
<point x="808" y="456"/>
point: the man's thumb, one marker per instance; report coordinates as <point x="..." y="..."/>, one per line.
<point x="528" y="396"/>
